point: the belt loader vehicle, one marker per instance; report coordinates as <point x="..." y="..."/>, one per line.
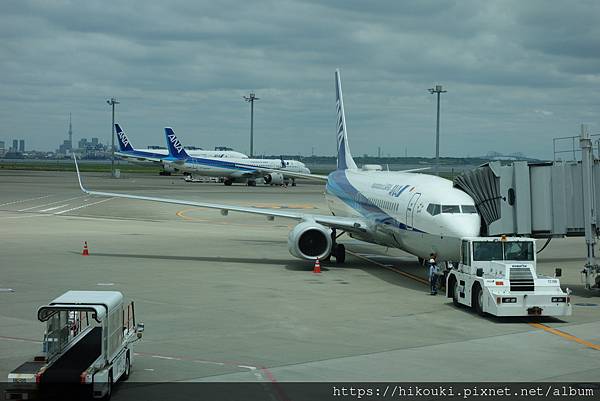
<point x="87" y="346"/>
<point x="498" y="276"/>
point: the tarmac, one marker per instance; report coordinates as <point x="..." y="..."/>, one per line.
<point x="223" y="300"/>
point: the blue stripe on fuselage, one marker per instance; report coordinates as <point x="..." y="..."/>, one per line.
<point x="192" y="160"/>
<point x="220" y="163"/>
<point x="338" y="185"/>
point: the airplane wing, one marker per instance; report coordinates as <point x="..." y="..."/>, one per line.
<point x="343" y="223"/>
<point x="133" y="156"/>
<point x="412" y="170"/>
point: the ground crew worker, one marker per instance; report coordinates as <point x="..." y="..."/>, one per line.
<point x="433" y="276"/>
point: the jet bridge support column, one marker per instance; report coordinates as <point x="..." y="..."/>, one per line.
<point x="591" y="271"/>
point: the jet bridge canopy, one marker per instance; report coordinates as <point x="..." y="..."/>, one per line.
<point x="532" y="199"/>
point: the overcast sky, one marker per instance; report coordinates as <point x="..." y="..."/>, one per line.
<point x="518" y="73"/>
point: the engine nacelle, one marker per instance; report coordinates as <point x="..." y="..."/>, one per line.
<point x="309" y="240"/>
<point x="274" y="179"/>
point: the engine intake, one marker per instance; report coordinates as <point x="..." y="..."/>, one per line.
<point x="309" y="240"/>
<point x="274" y="179"/>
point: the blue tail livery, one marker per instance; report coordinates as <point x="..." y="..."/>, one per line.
<point x="124" y="144"/>
<point x="175" y="147"/>
<point x="345" y="160"/>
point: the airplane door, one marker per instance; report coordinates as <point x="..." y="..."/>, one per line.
<point x="410" y="210"/>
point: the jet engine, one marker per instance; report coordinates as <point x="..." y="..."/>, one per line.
<point x="274" y="179"/>
<point x="309" y="240"/>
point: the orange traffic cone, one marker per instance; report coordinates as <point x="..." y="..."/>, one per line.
<point x="317" y="268"/>
<point x="85" y="250"/>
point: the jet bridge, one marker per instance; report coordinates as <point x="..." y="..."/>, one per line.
<point x="541" y="200"/>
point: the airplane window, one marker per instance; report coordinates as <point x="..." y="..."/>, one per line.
<point x="450" y="209"/>
<point x="468" y="209"/>
<point x="433" y="209"/>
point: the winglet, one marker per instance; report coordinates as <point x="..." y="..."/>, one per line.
<point x="79" y="175"/>
<point x="176" y="150"/>
<point x="345" y="160"/>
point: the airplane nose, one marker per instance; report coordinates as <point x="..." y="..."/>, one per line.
<point x="461" y="225"/>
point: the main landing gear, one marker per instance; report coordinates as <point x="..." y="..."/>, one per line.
<point x="338" y="251"/>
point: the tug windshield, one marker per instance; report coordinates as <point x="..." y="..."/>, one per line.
<point x="502" y="250"/>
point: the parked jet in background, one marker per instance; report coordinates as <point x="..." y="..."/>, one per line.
<point x="415" y="212"/>
<point x="128" y="152"/>
<point x="234" y="170"/>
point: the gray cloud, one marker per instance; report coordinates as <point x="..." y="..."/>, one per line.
<point x="517" y="73"/>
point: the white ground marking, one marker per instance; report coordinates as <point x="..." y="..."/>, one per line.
<point x="51" y="203"/>
<point x="81" y="207"/>
<point x="24" y="200"/>
<point x="54" y="208"/>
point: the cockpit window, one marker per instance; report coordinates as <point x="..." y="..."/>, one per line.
<point x="468" y="209"/>
<point x="450" y="209"/>
<point x="433" y="209"/>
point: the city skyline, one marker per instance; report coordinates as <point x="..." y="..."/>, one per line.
<point x="517" y="74"/>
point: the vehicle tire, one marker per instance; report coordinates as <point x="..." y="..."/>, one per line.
<point x="478" y="300"/>
<point x="228" y="182"/>
<point x="125" y="375"/>
<point x="109" y="390"/>
<point x="455" y="293"/>
<point x="340" y="254"/>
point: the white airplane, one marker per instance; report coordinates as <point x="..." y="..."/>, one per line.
<point x="418" y="213"/>
<point x="128" y="152"/>
<point x="273" y="171"/>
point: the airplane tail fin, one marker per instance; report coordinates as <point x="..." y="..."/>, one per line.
<point x="175" y="147"/>
<point x="124" y="144"/>
<point x="344" y="159"/>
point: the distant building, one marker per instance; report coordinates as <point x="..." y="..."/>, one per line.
<point x="15" y="146"/>
<point x="95" y="141"/>
<point x="65" y="147"/>
<point x="82" y="143"/>
<point x="22" y="145"/>
<point x="2" y="149"/>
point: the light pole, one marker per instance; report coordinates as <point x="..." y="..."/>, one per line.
<point x="438" y="90"/>
<point x="251" y="98"/>
<point x="112" y="102"/>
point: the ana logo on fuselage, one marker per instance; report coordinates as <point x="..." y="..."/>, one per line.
<point x="175" y="142"/>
